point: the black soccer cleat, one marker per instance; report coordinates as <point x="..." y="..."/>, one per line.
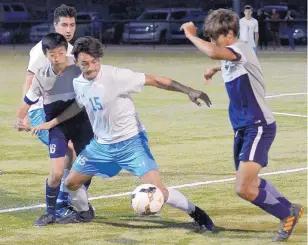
<point x="92" y="211"/>
<point x="77" y="217"/>
<point x="45" y="219"/>
<point x="202" y="219"/>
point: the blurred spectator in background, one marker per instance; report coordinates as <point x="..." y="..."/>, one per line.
<point x="262" y="17"/>
<point x="249" y="29"/>
<point x="290" y="28"/>
<point x="275" y="27"/>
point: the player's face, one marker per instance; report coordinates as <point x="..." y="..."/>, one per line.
<point x="224" y="40"/>
<point x="248" y="12"/>
<point x="57" y="56"/>
<point x="66" y="27"/>
<point x="89" y="65"/>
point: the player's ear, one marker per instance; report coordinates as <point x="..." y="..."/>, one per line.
<point x="230" y="34"/>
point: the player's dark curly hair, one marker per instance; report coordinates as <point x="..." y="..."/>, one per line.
<point x="220" y="22"/>
<point x="52" y="41"/>
<point x="88" y="45"/>
<point x="64" y="11"/>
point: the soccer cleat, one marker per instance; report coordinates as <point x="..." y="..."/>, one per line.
<point x="65" y="211"/>
<point x="76" y="217"/>
<point x="202" y="219"/>
<point x="45" y="219"/>
<point x="287" y="225"/>
<point x="92" y="211"/>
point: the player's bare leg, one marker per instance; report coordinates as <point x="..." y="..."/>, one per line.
<point x="263" y="194"/>
<point x="177" y="200"/>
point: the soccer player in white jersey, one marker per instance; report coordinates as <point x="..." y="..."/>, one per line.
<point x="249" y="28"/>
<point x="120" y="138"/>
<point x="65" y="24"/>
<point x="252" y="120"/>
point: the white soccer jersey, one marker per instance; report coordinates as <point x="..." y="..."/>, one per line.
<point x="248" y="28"/>
<point x="38" y="61"/>
<point x="108" y="103"/>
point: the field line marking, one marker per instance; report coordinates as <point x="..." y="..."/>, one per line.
<point x="289" y="114"/>
<point x="281" y="95"/>
<point x="10" y="210"/>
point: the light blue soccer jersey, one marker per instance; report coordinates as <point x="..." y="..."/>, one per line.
<point x="245" y="85"/>
<point x="120" y="139"/>
<point x="108" y="103"/>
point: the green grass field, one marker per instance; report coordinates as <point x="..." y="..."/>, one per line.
<point x="190" y="145"/>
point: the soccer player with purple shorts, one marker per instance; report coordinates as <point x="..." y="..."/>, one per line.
<point x="54" y="83"/>
<point x="252" y="120"/>
<point x="65" y="24"/>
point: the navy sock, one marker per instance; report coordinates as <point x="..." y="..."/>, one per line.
<point x="268" y="186"/>
<point x="51" y="197"/>
<point x="266" y="201"/>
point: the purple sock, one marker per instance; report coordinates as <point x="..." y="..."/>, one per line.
<point x="51" y="197"/>
<point x="268" y="186"/>
<point x="266" y="201"/>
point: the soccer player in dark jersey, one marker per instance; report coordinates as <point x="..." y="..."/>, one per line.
<point x="54" y="82"/>
<point x="64" y="23"/>
<point x="252" y="120"/>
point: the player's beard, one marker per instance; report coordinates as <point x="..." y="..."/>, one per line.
<point x="90" y="75"/>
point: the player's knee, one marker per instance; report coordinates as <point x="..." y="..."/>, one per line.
<point x="242" y="191"/>
<point x="71" y="185"/>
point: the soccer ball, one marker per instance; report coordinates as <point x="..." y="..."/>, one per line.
<point x="147" y="199"/>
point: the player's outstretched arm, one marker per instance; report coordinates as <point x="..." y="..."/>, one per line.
<point x="210" y="49"/>
<point x="70" y="112"/>
<point x="171" y="85"/>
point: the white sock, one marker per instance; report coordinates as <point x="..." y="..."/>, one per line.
<point x="177" y="200"/>
<point x="80" y="199"/>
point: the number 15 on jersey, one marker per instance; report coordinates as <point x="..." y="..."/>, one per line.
<point x="96" y="104"/>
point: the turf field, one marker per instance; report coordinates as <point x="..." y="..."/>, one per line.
<point x="190" y="144"/>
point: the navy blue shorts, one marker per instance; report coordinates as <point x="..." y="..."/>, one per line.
<point x="79" y="133"/>
<point x="253" y="143"/>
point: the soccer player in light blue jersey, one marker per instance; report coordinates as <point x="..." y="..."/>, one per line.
<point x="120" y="141"/>
<point x="252" y="120"/>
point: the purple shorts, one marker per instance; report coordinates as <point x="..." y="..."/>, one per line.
<point x="253" y="143"/>
<point x="80" y="133"/>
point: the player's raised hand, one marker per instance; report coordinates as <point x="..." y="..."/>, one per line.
<point x="195" y="95"/>
<point x="189" y="29"/>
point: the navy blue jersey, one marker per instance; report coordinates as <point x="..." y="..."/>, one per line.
<point x="58" y="94"/>
<point x="246" y="88"/>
